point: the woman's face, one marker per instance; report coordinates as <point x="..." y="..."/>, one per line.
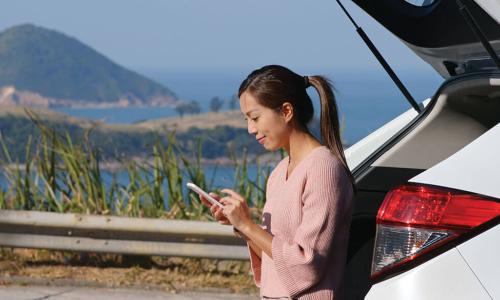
<point x="269" y="126"/>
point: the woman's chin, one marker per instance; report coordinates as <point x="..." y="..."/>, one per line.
<point x="271" y="147"/>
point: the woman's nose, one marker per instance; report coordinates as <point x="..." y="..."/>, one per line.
<point x="251" y="128"/>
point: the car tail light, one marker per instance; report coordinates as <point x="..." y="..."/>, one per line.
<point x="415" y="219"/>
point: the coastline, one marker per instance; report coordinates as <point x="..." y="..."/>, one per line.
<point x="115" y="166"/>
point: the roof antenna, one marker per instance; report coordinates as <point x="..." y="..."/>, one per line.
<point x="383" y="62"/>
<point x="477" y="31"/>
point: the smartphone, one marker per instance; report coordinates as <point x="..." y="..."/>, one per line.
<point x="201" y="192"/>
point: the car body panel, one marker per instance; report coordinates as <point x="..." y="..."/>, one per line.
<point x="481" y="254"/>
<point x="446" y="276"/>
<point x="492" y="7"/>
<point x="358" y="152"/>
<point x="475" y="168"/>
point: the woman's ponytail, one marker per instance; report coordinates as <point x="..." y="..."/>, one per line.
<point x="329" y="119"/>
<point x="272" y="85"/>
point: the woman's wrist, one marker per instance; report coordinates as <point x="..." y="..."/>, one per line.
<point x="239" y="234"/>
<point x="247" y="228"/>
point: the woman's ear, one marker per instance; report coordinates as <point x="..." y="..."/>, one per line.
<point x="287" y="111"/>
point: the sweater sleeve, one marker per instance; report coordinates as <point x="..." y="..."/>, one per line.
<point x="300" y="260"/>
<point x="256" y="264"/>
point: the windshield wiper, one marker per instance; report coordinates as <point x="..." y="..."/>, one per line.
<point x="383" y="62"/>
<point x="478" y="32"/>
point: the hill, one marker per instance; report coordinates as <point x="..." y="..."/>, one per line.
<point x="46" y="68"/>
<point x="218" y="140"/>
<point x="207" y="120"/>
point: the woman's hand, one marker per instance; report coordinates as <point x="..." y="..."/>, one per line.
<point x="215" y="209"/>
<point x="236" y="209"/>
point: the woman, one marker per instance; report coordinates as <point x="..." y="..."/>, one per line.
<point x="299" y="251"/>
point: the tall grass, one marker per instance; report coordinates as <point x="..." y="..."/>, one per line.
<point x="61" y="175"/>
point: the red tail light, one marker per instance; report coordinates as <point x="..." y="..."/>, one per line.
<point x="415" y="219"/>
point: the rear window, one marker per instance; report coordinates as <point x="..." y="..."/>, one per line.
<point x="420" y="2"/>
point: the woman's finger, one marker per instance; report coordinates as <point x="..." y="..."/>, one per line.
<point x="219" y="215"/>
<point x="233" y="194"/>
<point x="228" y="200"/>
<point x="217" y="197"/>
<point x="205" y="201"/>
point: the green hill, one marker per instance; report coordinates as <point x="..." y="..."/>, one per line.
<point x="66" y="71"/>
<point x="133" y="140"/>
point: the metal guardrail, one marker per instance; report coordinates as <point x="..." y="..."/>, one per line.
<point x="121" y="235"/>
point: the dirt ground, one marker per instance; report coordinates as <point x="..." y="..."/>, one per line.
<point x="24" y="266"/>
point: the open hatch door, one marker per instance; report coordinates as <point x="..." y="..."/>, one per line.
<point x="438" y="33"/>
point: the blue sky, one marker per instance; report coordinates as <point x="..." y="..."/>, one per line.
<point x="217" y="34"/>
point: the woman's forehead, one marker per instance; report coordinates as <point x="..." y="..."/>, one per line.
<point x="248" y="103"/>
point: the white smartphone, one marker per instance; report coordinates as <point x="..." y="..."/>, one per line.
<point x="198" y="190"/>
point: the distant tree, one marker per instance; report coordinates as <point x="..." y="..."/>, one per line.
<point x="194" y="107"/>
<point x="233" y="102"/>
<point x="216" y="104"/>
<point x="181" y="109"/>
<point x="191" y="107"/>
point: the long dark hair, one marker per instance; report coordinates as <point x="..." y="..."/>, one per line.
<point x="274" y="85"/>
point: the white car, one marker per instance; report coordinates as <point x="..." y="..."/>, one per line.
<point x="426" y="222"/>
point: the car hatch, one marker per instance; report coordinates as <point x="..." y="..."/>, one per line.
<point x="438" y="33"/>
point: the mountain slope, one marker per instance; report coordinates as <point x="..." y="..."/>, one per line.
<point x="68" y="72"/>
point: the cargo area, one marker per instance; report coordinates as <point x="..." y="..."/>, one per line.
<point x="463" y="109"/>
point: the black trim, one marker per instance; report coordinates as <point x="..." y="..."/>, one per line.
<point x="437" y="25"/>
<point x="383" y="179"/>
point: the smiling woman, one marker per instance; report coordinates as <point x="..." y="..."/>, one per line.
<point x="299" y="250"/>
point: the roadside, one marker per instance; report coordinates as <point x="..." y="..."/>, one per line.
<point x="57" y="270"/>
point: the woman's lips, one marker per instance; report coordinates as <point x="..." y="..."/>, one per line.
<point x="262" y="140"/>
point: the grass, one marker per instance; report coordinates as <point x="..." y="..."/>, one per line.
<point x="65" y="176"/>
<point x="62" y="175"/>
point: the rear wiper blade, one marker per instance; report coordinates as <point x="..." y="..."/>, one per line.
<point x="383" y="62"/>
<point x="478" y="32"/>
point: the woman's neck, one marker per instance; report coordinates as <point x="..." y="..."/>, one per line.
<point x="300" y="144"/>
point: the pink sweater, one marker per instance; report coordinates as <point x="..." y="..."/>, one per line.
<point x="309" y="216"/>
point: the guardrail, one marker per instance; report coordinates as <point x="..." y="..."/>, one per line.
<point x="120" y="235"/>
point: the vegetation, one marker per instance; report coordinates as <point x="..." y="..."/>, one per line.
<point x="216" y="104"/>
<point x="173" y="274"/>
<point x="115" y="143"/>
<point x="233" y="102"/>
<point x="191" y="107"/>
<point x="58" y="66"/>
<point x="61" y="175"/>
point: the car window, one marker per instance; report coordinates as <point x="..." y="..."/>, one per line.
<point x="421" y="2"/>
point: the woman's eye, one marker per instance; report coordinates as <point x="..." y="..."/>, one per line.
<point x="255" y="119"/>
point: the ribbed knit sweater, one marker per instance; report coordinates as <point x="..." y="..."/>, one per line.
<point x="308" y="215"/>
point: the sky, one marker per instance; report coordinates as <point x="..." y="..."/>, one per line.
<point x="217" y="34"/>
